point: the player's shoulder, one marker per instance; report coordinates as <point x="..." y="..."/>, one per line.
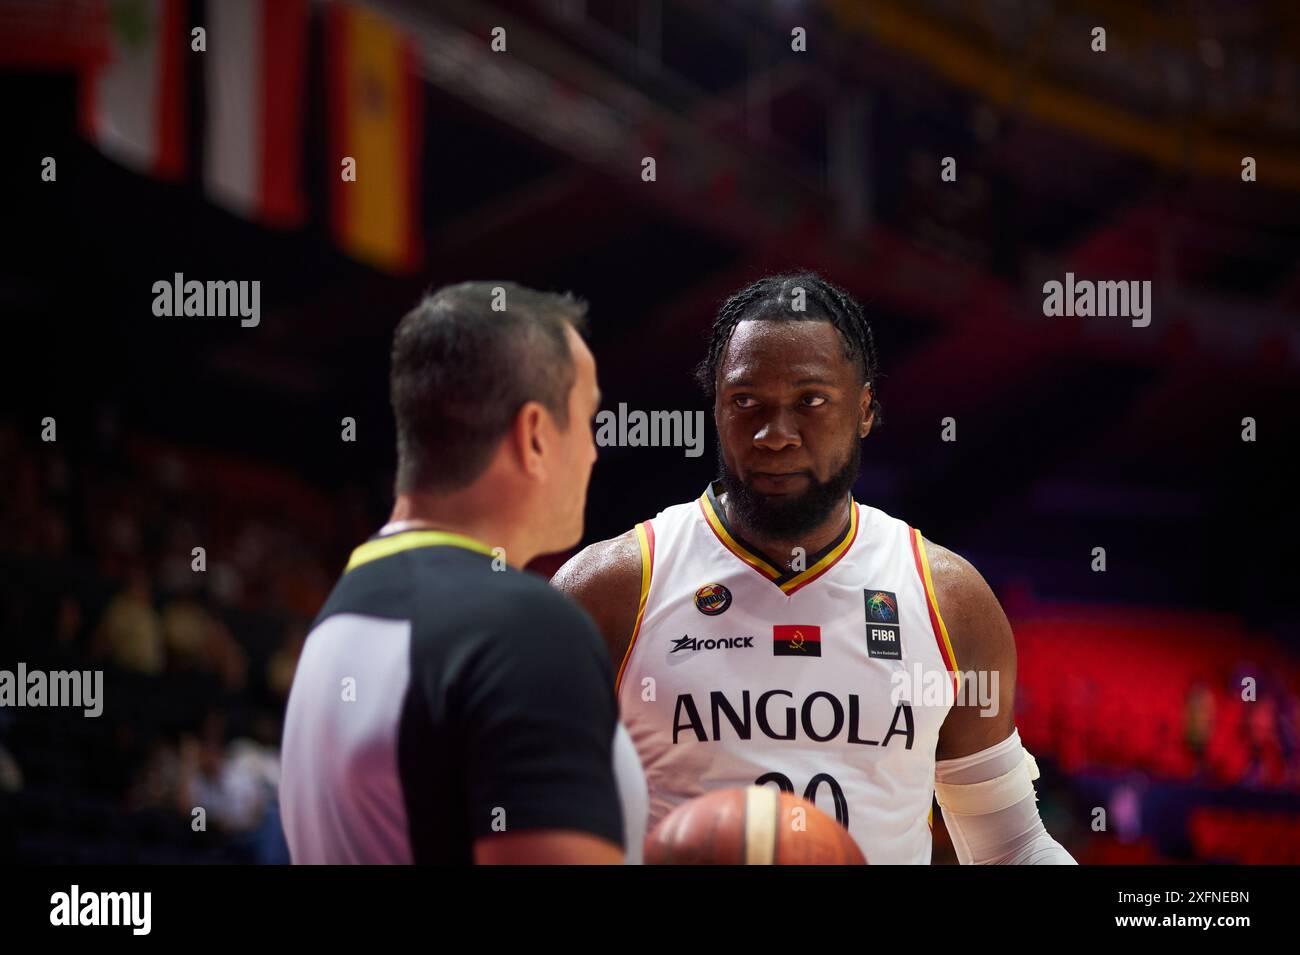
<point x="976" y="622"/>
<point x="955" y="571"/>
<point x="602" y="565"/>
<point x="619" y="559"/>
<point x="606" y="579"/>
<point x="950" y="571"/>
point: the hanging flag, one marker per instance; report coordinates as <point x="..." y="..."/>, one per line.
<point x="133" y="104"/>
<point x="375" y="117"/>
<point x="255" y="66"/>
<point x="53" y="34"/>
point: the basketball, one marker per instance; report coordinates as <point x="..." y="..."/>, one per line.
<point x="758" y="825"/>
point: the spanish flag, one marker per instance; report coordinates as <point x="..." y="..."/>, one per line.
<point x="376" y="117"/>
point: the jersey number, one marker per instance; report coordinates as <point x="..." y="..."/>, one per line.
<point x="810" y="792"/>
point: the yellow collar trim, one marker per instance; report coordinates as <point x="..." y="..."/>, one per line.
<point x="729" y="542"/>
<point x="787" y="581"/>
<point x="409" y="540"/>
<point x="817" y="569"/>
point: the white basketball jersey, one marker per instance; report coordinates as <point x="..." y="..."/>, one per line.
<point x="812" y="680"/>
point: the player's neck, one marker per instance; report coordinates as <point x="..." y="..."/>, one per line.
<point x="467" y="516"/>
<point x="782" y="549"/>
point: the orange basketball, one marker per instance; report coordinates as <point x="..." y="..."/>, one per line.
<point x="759" y="825"/>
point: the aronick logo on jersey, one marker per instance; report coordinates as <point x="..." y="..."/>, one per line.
<point x="796" y="640"/>
<point x="687" y="642"/>
<point x="884" y="640"/>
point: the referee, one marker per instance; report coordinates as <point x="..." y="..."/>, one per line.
<point x="449" y="708"/>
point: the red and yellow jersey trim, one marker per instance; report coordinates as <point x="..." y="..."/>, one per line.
<point x="829" y="559"/>
<point x="720" y="530"/>
<point x="645" y="538"/>
<point x="932" y="604"/>
<point x="787" y="581"/>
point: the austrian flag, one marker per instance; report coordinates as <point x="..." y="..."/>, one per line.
<point x="255" y="77"/>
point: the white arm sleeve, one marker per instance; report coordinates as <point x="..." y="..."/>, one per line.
<point x="990" y="808"/>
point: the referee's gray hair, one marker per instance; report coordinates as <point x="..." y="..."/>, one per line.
<point x="461" y="371"/>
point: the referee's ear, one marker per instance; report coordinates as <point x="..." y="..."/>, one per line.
<point x="533" y="439"/>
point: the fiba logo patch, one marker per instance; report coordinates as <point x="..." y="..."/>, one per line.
<point x="712" y="599"/>
<point x="883" y="640"/>
<point x="882" y="606"/>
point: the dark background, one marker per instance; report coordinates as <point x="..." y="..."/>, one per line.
<point x="1073" y="433"/>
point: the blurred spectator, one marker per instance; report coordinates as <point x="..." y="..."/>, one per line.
<point x="1126" y="811"/>
<point x="11" y="776"/>
<point x="1288" y="734"/>
<point x="176" y="571"/>
<point x="195" y="640"/>
<point x="185" y="627"/>
<point x="237" y="785"/>
<point x="68" y="623"/>
<point x="233" y="783"/>
<point x="52" y="540"/>
<point x="1198" y="722"/>
<point x="157" y="785"/>
<point x="123" y="534"/>
<point x="1262" y="738"/>
<point x="225" y="658"/>
<point x="130" y="633"/>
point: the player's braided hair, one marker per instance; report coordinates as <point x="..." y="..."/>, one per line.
<point x="772" y="298"/>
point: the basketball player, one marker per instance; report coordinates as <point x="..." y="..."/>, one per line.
<point x="448" y="708"/>
<point x="772" y="631"/>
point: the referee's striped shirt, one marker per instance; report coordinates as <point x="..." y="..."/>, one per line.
<point x="438" y="700"/>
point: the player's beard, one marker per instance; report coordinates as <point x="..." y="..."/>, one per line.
<point x="789" y="518"/>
